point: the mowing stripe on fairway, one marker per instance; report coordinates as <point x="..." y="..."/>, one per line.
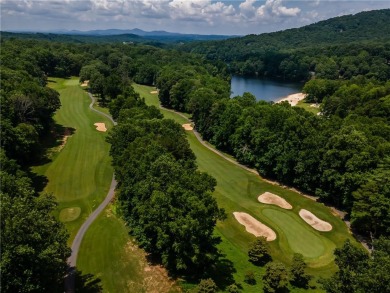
<point x="79" y="175"/>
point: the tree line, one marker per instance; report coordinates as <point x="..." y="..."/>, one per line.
<point x="166" y="202"/>
<point x="342" y="156"/>
<point x="33" y="243"/>
<point x="336" y="156"/>
<point x="340" y="47"/>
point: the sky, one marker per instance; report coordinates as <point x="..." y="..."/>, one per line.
<point x="234" y="17"/>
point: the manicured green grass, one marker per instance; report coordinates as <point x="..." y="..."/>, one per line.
<point x="238" y="189"/>
<point x="120" y="264"/>
<point x="80" y="173"/>
<point x="307" y="106"/>
<point x="109" y="258"/>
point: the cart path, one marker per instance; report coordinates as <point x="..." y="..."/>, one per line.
<point x="339" y="213"/>
<point x="72" y="260"/>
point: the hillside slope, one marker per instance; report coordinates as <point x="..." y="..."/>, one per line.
<point x="301" y="48"/>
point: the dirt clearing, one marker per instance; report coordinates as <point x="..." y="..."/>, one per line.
<point x="254" y="227"/>
<point x="187" y="126"/>
<point x="270" y="198"/>
<point x="100" y="127"/>
<point x="315" y="222"/>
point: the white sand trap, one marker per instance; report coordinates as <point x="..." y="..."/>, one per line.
<point x="293" y="99"/>
<point x="313" y="221"/>
<point x="270" y="198"/>
<point x="254" y="227"/>
<point x="154" y="92"/>
<point x="85" y="83"/>
<point x="187" y="126"/>
<point x="101" y="127"/>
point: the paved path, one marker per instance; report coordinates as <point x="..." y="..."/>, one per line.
<point x="341" y="214"/>
<point x="93" y="100"/>
<point x="336" y="212"/>
<point x="72" y="260"/>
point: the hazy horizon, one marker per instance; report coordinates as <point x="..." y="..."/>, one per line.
<point x="239" y="17"/>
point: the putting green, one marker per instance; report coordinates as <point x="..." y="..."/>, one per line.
<point x="300" y="239"/>
<point x="79" y="173"/>
<point x="237" y="190"/>
<point x="69" y="214"/>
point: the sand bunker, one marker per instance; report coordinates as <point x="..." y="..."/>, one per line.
<point x="313" y="221"/>
<point x="101" y="127"/>
<point x="187" y="126"/>
<point x="154" y="92"/>
<point x="254" y="227"/>
<point x="293" y="99"/>
<point x="270" y="198"/>
<point x="85" y="83"/>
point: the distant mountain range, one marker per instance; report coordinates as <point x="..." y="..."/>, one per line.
<point x="153" y="35"/>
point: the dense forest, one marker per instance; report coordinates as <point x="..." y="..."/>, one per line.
<point x="35" y="260"/>
<point x="33" y="243"/>
<point x="353" y="44"/>
<point x="342" y="155"/>
<point x="164" y="199"/>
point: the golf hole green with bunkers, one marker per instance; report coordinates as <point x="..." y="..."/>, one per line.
<point x="238" y="190"/>
<point x="79" y="174"/>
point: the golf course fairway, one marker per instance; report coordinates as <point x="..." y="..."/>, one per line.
<point x="237" y="190"/>
<point x="79" y="174"/>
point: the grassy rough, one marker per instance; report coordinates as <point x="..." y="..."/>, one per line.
<point x="120" y="264"/>
<point x="237" y="190"/>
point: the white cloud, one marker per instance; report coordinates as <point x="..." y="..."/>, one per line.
<point x="276" y="8"/>
<point x="247" y="9"/>
<point x="195" y="16"/>
<point x="199" y="10"/>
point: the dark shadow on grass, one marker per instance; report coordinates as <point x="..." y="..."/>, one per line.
<point x="54" y="139"/>
<point x="39" y="182"/>
<point x="221" y="272"/>
<point x="51" y="144"/>
<point x="77" y="282"/>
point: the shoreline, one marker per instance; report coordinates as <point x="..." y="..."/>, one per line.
<point x="292" y="99"/>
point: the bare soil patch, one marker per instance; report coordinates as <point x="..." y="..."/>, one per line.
<point x="155" y="278"/>
<point x="85" y="83"/>
<point x="293" y="99"/>
<point x="187" y="126"/>
<point x="100" y="127"/>
<point x="255" y="227"/>
<point x="315" y="222"/>
<point x="67" y="133"/>
<point x="270" y="198"/>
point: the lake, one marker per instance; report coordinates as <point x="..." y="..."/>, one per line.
<point x="263" y="89"/>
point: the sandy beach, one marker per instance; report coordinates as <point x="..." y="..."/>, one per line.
<point x="293" y="99"/>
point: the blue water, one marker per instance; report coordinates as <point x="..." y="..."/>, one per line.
<point x="263" y="89"/>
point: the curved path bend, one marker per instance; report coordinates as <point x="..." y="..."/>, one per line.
<point x="72" y="260"/>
